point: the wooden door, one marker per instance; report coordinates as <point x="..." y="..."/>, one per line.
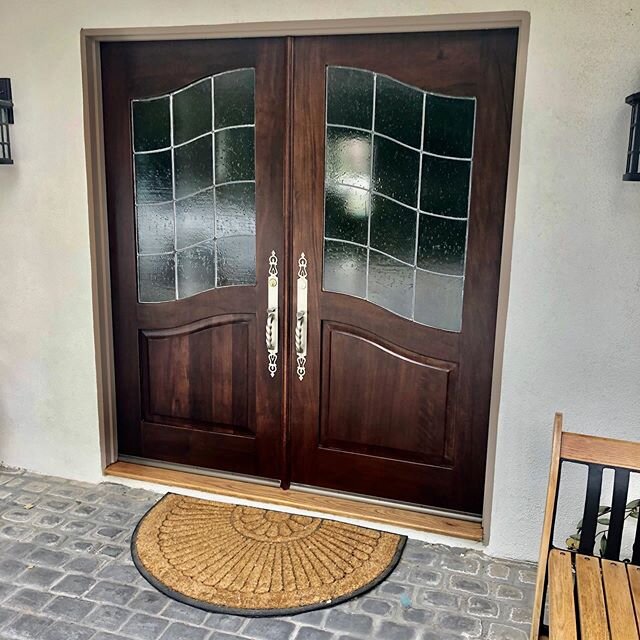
<point x="194" y="137"/>
<point x="401" y="147"/>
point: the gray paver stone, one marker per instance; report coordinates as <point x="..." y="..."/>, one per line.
<point x="111" y="593"/>
<point x="144" y="627"/>
<point x="375" y="606"/>
<point x="67" y="607"/>
<point x="39" y="577"/>
<point x="503" y="632"/>
<point x="223" y="622"/>
<point x="311" y="633"/>
<point x="394" y="631"/>
<point x="465" y="625"/>
<point x="351" y="622"/>
<point x="149" y="601"/>
<point x="27" y="626"/>
<point x="184" y="613"/>
<point x="182" y="631"/>
<point x="484" y="607"/>
<point x="269" y="629"/>
<point x="74" y="584"/>
<point x="28" y="599"/>
<point x="61" y="630"/>
<point x="108" y="617"/>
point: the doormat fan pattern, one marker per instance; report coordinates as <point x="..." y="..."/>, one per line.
<point x="257" y="562"/>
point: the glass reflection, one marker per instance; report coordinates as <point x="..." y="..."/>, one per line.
<point x="397" y="180"/>
<point x="348" y="157"/>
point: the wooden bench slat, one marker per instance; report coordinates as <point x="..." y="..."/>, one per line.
<point x="562" y="610"/>
<point x="591" y="605"/>
<point x="634" y="584"/>
<point x="622" y="620"/>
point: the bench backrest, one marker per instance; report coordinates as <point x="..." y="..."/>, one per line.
<point x="597" y="454"/>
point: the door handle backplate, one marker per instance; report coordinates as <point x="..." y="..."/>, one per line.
<point x="301" y="318"/>
<point x="272" y="315"/>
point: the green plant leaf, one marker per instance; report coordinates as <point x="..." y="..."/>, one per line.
<point x="634" y="513"/>
<point x="603" y="509"/>
<point x="633" y="504"/>
<point x="604" y="520"/>
<point x="603" y="544"/>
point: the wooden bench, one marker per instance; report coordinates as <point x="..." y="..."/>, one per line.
<point x="589" y="597"/>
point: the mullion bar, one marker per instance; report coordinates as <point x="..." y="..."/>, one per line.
<point x="371" y="166"/>
<point x="591" y="507"/>
<point x="618" y="506"/>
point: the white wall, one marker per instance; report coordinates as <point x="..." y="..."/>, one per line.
<point x="572" y="328"/>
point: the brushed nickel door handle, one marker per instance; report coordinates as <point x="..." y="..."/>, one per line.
<point x="301" y="318"/>
<point x="271" y="330"/>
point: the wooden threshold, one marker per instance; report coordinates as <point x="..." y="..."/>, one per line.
<point x="333" y="505"/>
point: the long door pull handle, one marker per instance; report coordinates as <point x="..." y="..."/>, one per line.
<point x="272" y="315"/>
<point x="301" y="318"/>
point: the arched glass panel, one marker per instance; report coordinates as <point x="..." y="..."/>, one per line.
<point x="194" y="176"/>
<point x="397" y="183"/>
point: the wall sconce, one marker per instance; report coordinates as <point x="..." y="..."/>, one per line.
<point x="6" y="118"/>
<point x="633" y="156"/>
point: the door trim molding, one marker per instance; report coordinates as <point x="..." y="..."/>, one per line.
<point x="90" y="40"/>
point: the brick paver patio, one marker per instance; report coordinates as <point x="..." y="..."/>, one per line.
<point x="66" y="574"/>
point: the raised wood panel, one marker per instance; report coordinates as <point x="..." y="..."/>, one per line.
<point x="201" y="375"/>
<point x="379" y="399"/>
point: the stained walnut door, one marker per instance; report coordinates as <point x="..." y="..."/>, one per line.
<point x="392" y="160"/>
<point x="401" y="146"/>
<point x="194" y="137"/>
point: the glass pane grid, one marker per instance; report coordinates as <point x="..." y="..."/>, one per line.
<point x="178" y="178"/>
<point x="417" y="191"/>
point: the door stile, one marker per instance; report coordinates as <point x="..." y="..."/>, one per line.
<point x="287" y="261"/>
<point x="307" y="189"/>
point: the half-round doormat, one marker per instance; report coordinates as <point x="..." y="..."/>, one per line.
<point x="256" y="562"/>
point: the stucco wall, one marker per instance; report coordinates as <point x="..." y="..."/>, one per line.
<point x="572" y="338"/>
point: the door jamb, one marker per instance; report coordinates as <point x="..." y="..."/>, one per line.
<point x="90" y="40"/>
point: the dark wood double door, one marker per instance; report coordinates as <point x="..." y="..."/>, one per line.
<point x="305" y="242"/>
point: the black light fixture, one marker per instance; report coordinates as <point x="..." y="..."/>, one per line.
<point x="633" y="156"/>
<point x="6" y="118"/>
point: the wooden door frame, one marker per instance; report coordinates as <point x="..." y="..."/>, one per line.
<point x="90" y="40"/>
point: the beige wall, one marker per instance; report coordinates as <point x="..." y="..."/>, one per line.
<point x="572" y="327"/>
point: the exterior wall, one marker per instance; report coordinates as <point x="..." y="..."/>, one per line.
<point x="574" y="308"/>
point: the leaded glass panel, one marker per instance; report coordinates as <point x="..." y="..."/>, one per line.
<point x="194" y="177"/>
<point x="397" y="186"/>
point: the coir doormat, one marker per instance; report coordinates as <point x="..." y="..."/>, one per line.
<point x="257" y="562"/>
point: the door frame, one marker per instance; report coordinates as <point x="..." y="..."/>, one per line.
<point x="90" y="40"/>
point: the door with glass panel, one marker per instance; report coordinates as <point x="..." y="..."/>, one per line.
<point x="195" y="142"/>
<point x="401" y="146"/>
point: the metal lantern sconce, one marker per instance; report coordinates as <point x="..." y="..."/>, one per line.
<point x="6" y="118"/>
<point x="633" y="156"/>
